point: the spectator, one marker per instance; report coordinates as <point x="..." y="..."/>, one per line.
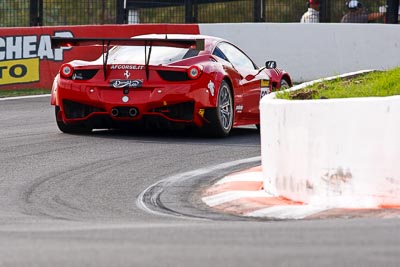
<point x="312" y="14"/>
<point x="359" y="14"/>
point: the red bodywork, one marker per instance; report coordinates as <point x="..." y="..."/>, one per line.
<point x="106" y="93"/>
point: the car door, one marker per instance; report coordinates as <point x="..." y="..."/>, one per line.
<point x="246" y="108"/>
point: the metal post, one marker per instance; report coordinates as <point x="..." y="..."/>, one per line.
<point x="258" y="11"/>
<point x="392" y="12"/>
<point x="188" y="11"/>
<point x="195" y="13"/>
<point x="40" y="16"/>
<point x="35" y="12"/>
<point x="103" y="12"/>
<point x="324" y="11"/>
<point x="122" y="15"/>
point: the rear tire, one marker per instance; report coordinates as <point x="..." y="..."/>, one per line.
<point x="70" y="128"/>
<point x="221" y="119"/>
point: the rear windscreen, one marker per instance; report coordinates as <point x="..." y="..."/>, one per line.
<point x="160" y="55"/>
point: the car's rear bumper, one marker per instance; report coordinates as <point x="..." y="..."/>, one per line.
<point x="180" y="103"/>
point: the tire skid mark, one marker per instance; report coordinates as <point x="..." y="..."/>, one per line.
<point x="46" y="196"/>
<point x="150" y="200"/>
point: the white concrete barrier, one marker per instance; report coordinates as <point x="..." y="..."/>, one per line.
<point x="332" y="152"/>
<point x="312" y="51"/>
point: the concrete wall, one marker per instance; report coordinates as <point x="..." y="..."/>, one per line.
<point x="336" y="152"/>
<point x="312" y="51"/>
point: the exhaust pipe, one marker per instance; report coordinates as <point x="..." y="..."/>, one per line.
<point x="114" y="112"/>
<point x="133" y="112"/>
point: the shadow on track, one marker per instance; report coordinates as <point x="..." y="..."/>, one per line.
<point x="239" y="136"/>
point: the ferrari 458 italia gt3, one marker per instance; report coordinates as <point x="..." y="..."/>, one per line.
<point x="162" y="80"/>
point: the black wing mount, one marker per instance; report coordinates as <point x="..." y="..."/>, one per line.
<point x="106" y="44"/>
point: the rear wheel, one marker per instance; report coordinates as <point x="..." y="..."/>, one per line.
<point x="221" y="119"/>
<point x="70" y="128"/>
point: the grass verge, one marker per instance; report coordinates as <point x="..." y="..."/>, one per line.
<point x="23" y="92"/>
<point x="379" y="83"/>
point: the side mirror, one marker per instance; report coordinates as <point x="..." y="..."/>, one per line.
<point x="270" y="64"/>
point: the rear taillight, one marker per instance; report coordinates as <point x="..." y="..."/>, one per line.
<point x="194" y="72"/>
<point x="66" y="71"/>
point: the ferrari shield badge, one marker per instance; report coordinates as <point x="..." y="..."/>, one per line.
<point x="127" y="74"/>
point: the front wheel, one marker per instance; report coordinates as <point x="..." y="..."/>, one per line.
<point x="284" y="85"/>
<point x="70" y="128"/>
<point x="221" y="119"/>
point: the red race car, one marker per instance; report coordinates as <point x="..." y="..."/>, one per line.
<point x="162" y="80"/>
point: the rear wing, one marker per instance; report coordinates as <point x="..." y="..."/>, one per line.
<point x="57" y="42"/>
<point x="106" y="43"/>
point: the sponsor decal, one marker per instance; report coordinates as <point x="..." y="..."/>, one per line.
<point x="211" y="87"/>
<point x="239" y="108"/>
<point x="20" y="56"/>
<point x="264" y="83"/>
<point x="126" y="83"/>
<point x="265" y="88"/>
<point x="126" y="67"/>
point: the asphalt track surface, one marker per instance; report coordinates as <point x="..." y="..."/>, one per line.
<point x="132" y="199"/>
